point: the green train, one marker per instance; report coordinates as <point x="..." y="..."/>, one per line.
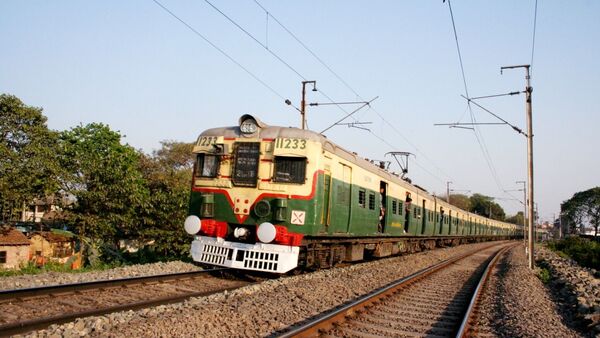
<point x="271" y="199"/>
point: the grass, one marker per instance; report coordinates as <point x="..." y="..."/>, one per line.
<point x="32" y="269"/>
<point x="584" y="251"/>
<point x="544" y="275"/>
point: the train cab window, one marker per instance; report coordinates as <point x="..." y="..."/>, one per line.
<point x="400" y="208"/>
<point x="394" y="207"/>
<point x="372" y="201"/>
<point x="207" y="165"/>
<point x="362" y="198"/>
<point x="290" y="169"/>
<point x="245" y="165"/>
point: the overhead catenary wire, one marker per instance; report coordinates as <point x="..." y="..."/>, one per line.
<point x="476" y="130"/>
<point x="220" y="50"/>
<point x="533" y="38"/>
<point x="345" y="83"/>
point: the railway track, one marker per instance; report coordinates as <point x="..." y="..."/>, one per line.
<point x="439" y="301"/>
<point x="24" y="310"/>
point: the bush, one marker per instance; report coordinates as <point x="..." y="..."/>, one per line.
<point x="585" y="252"/>
<point x="544" y="275"/>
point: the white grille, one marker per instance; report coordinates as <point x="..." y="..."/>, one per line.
<point x="213" y="254"/>
<point x="257" y="257"/>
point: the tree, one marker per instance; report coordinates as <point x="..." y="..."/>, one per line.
<point x="168" y="173"/>
<point x="28" y="167"/>
<point x="460" y="201"/>
<point x="516" y="219"/>
<point x="103" y="177"/>
<point x="485" y="206"/>
<point x="583" y="209"/>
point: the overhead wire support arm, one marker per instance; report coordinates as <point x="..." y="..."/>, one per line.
<point x="497" y="95"/>
<point x="517" y="129"/>
<point x="368" y="103"/>
<point x="314" y="104"/>
<point x="356" y="125"/>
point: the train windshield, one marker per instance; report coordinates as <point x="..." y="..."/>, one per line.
<point x="207" y="165"/>
<point x="245" y="172"/>
<point x="290" y="169"/>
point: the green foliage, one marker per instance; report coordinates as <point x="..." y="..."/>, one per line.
<point x="582" y="209"/>
<point x="168" y="173"/>
<point x="103" y="176"/>
<point x="544" y="275"/>
<point x="460" y="201"/>
<point x="485" y="206"/>
<point x="32" y="269"/>
<point x="516" y="219"/>
<point x="28" y="166"/>
<point x="584" y="251"/>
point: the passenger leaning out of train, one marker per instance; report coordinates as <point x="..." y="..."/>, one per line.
<point x="381" y="210"/>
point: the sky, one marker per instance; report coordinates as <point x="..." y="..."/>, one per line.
<point x="154" y="77"/>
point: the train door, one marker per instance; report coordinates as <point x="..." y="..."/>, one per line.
<point x="340" y="213"/>
<point x="434" y="216"/>
<point x="441" y="219"/>
<point x="407" y="212"/>
<point x="326" y="198"/>
<point x="383" y="208"/>
<point x="424" y="215"/>
<point x="449" y="222"/>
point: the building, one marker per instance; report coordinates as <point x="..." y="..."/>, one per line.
<point x="14" y="248"/>
<point x="49" y="246"/>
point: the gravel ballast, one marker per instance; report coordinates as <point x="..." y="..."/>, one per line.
<point x="56" y="278"/>
<point x="517" y="304"/>
<point x="576" y="289"/>
<point x="260" y="309"/>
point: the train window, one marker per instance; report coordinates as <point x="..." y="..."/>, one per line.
<point x="362" y="198"/>
<point x="245" y="172"/>
<point x="394" y="207"/>
<point x="372" y="201"/>
<point x="207" y="165"/>
<point x="290" y="169"/>
<point x="400" y="208"/>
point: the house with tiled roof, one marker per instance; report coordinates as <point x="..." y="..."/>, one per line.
<point x="50" y="246"/>
<point x="14" y="248"/>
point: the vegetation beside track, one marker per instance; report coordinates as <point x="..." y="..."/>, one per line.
<point x="584" y="251"/>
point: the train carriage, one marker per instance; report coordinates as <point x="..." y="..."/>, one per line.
<point x="271" y="198"/>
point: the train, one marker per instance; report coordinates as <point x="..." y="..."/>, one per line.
<point x="274" y="199"/>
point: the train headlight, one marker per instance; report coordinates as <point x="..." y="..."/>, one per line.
<point x="266" y="232"/>
<point x="192" y="224"/>
<point x="248" y="126"/>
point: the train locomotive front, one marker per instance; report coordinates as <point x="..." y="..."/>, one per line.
<point x="253" y="195"/>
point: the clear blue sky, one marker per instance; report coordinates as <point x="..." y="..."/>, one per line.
<point x="133" y="66"/>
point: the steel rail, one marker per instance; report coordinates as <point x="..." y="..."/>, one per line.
<point x="42" y="323"/>
<point x="16" y="294"/>
<point x="312" y="328"/>
<point x="473" y="305"/>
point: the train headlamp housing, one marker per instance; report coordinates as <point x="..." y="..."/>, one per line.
<point x="249" y="126"/>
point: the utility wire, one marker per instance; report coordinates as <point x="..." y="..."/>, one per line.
<point x="307" y="49"/>
<point x="533" y="42"/>
<point x="476" y="130"/>
<point x="256" y="40"/>
<point x="349" y="87"/>
<point x="276" y="93"/>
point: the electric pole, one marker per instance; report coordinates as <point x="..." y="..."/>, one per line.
<point x="528" y="110"/>
<point x="448" y="192"/>
<point x="303" y="101"/>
